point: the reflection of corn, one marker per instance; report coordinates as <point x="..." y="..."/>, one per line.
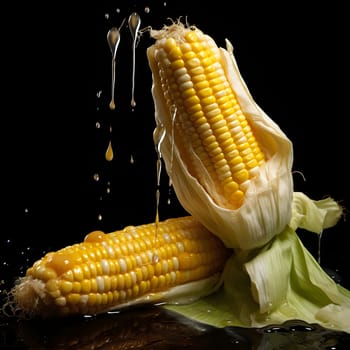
<point x="109" y="270"/>
<point x="210" y="124"/>
<point x="135" y="329"/>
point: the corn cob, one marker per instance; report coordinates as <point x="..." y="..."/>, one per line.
<point x="229" y="163"/>
<point x="121" y="268"/>
<point x="217" y="140"/>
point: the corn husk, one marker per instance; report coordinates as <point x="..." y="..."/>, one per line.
<point x="278" y="282"/>
<point x="271" y="277"/>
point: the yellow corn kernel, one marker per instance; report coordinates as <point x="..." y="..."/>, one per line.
<point x="211" y="125"/>
<point x="82" y="278"/>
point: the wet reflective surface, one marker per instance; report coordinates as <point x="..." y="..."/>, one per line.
<point x="155" y="328"/>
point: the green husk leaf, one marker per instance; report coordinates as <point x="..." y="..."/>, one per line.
<point x="280" y="281"/>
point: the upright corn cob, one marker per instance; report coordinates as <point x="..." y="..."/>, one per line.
<point x="228" y="161"/>
<point x="216" y="138"/>
<point x="230" y="165"/>
<point x="134" y="265"/>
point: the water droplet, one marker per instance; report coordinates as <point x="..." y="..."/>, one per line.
<point x="99" y="93"/>
<point x="173" y="111"/>
<point x="113" y="39"/>
<point x="26" y="210"/>
<point x="98" y="125"/>
<point x="99" y="217"/>
<point x="117" y="10"/>
<point x="113" y="312"/>
<point x="147" y="9"/>
<point x="134" y="26"/>
<point x="158" y="137"/>
<point x="109" y="152"/>
<point x="96" y="177"/>
<point x="106" y="15"/>
<point x="132" y="161"/>
<point x="112" y="105"/>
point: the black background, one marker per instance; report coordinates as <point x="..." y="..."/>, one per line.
<point x="56" y="61"/>
<point x="56" y="80"/>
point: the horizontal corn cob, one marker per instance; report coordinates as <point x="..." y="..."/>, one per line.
<point x="135" y="265"/>
<point x="216" y="140"/>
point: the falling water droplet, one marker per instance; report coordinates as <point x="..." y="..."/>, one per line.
<point x="98" y="125"/>
<point x="109" y="152"/>
<point x="134" y="26"/>
<point x="96" y="177"/>
<point x="147" y="9"/>
<point x="157" y="212"/>
<point x="158" y="138"/>
<point x="173" y="111"/>
<point x="169" y="192"/>
<point x="113" y="39"/>
<point x="132" y="161"/>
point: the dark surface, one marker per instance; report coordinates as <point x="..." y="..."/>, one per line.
<point x="57" y="73"/>
<point x="154" y="328"/>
